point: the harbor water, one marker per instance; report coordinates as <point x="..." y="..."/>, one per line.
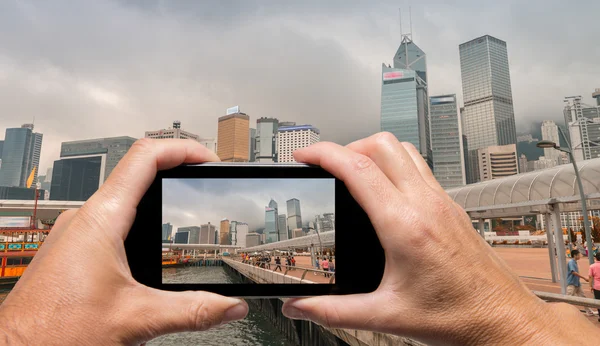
<point x="255" y="329"/>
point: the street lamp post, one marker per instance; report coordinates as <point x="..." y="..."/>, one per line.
<point x="544" y="144"/>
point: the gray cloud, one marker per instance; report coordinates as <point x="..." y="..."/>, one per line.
<point x="96" y="69"/>
<point x="192" y="202"/>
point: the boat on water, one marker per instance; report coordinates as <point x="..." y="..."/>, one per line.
<point x="173" y="259"/>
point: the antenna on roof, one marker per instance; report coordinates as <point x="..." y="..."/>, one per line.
<point x="400" y="20"/>
<point x="410" y="19"/>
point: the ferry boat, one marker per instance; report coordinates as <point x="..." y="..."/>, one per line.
<point x="172" y="259"/>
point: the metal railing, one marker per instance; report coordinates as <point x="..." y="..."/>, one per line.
<point x="269" y="266"/>
<point x="561" y="298"/>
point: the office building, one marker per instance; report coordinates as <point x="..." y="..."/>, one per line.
<point x="182" y="237"/>
<point x="207" y="234"/>
<point x="242" y="232"/>
<point x="1" y="146"/>
<point x="224" y="232"/>
<point x="20" y="193"/>
<point x="271" y="222"/>
<point x="192" y="235"/>
<point x="324" y="223"/>
<point x="20" y="155"/>
<point x="583" y="123"/>
<point x="266" y="140"/>
<point x="45" y="180"/>
<point x="404" y="98"/>
<point x="210" y="143"/>
<point x="114" y="148"/>
<point x="294" y="215"/>
<point x="488" y="115"/>
<point x="252" y="146"/>
<point x="233" y="232"/>
<point x="167" y="229"/>
<point x="497" y="162"/>
<point x="233" y="138"/>
<point x="543" y="163"/>
<point x="596" y="96"/>
<point x="292" y="138"/>
<point x="174" y="132"/>
<point x="282" y="227"/>
<point x="297" y="233"/>
<point x="252" y="239"/>
<point x="447" y="142"/>
<point x="77" y="178"/>
<point x="523" y="164"/>
<point x="550" y="133"/>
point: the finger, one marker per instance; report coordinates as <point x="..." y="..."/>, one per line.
<point x="423" y="168"/>
<point x="366" y="182"/>
<point x="161" y="312"/>
<point x="116" y="201"/>
<point x="62" y="222"/>
<point x="392" y="158"/>
<point x="351" y="311"/>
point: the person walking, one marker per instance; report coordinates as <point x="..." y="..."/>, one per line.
<point x="277" y="264"/>
<point x="573" y="283"/>
<point x="317" y="266"/>
<point x="325" y="265"/>
<point x="331" y="265"/>
<point x="594" y="279"/>
<point x="293" y="260"/>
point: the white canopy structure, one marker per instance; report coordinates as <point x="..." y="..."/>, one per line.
<point x="531" y="193"/>
<point x="325" y="239"/>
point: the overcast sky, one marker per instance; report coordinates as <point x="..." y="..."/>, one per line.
<point x="193" y="202"/>
<point x="87" y="69"/>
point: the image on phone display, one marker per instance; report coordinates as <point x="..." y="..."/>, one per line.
<point x="271" y="230"/>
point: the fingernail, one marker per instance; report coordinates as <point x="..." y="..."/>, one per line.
<point x="293" y="313"/>
<point x="236" y="312"/>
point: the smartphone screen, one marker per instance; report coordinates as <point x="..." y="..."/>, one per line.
<point x="271" y="230"/>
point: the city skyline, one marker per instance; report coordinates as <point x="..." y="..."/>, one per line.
<point x="76" y="90"/>
<point x="192" y="202"/>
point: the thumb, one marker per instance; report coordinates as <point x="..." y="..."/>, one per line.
<point x="161" y="312"/>
<point x="346" y="312"/>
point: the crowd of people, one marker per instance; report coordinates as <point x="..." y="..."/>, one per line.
<point x="264" y="260"/>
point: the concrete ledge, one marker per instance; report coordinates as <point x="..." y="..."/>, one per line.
<point x="266" y="276"/>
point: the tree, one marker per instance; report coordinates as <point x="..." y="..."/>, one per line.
<point x="573" y="235"/>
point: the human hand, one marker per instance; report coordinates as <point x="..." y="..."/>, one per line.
<point x="442" y="282"/>
<point x="79" y="290"/>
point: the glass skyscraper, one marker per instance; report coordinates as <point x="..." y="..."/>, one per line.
<point x="167" y="228"/>
<point x="271" y="222"/>
<point x="405" y="100"/>
<point x="446" y="142"/>
<point x="77" y="178"/>
<point x="20" y="154"/>
<point x="489" y="117"/>
<point x="294" y="218"/>
<point x="266" y="140"/>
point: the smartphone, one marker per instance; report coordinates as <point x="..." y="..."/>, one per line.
<point x="253" y="230"/>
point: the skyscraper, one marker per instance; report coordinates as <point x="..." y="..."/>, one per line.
<point x="233" y="232"/>
<point x="523" y="164"/>
<point x="488" y="105"/>
<point x="167" y="228"/>
<point x="266" y="139"/>
<point x="271" y="222"/>
<point x="497" y="162"/>
<point x="583" y="123"/>
<point x="233" y="138"/>
<point x="404" y="98"/>
<point x="207" y="234"/>
<point x="242" y="232"/>
<point x="446" y="142"/>
<point x="174" y="132"/>
<point x="20" y="154"/>
<point x="224" y="232"/>
<point x="252" y="146"/>
<point x="292" y="138"/>
<point x="115" y="149"/>
<point x="294" y="216"/>
<point x="550" y="133"/>
<point x="282" y="227"/>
